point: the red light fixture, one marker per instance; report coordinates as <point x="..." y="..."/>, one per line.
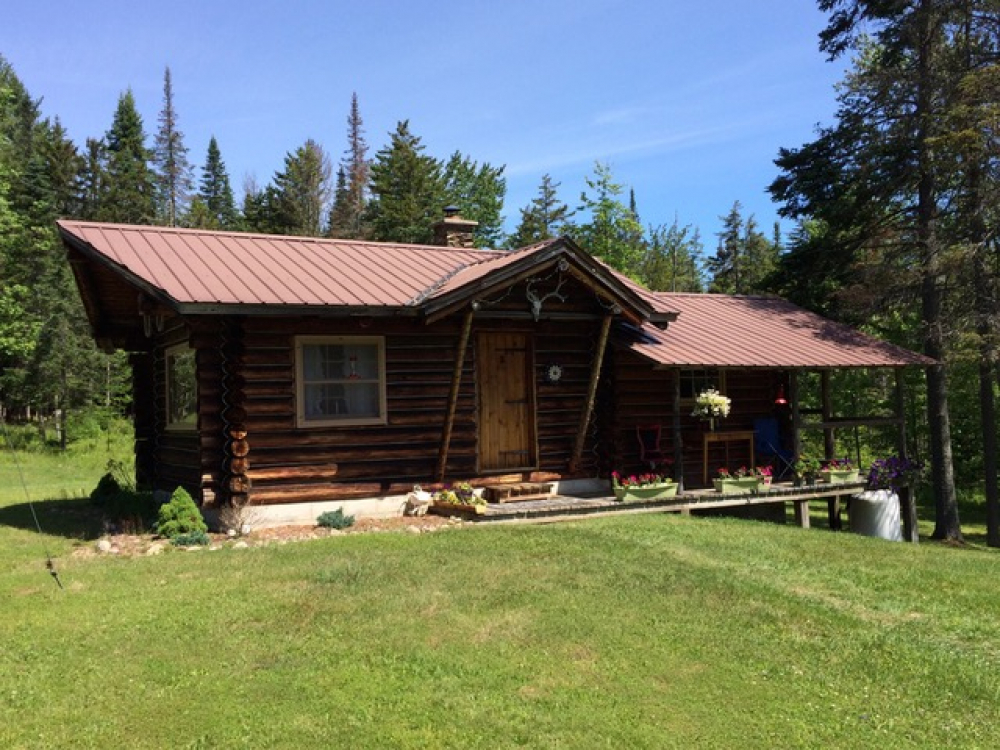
<point x="780" y="399"/>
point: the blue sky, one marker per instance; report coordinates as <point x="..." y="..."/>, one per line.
<point x="687" y="100"/>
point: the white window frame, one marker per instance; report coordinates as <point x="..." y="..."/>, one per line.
<point x="173" y="351"/>
<point x="300" y="381"/>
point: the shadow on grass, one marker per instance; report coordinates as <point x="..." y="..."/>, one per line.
<point x="76" y="518"/>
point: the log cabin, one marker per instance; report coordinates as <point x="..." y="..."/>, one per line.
<point x="298" y="373"/>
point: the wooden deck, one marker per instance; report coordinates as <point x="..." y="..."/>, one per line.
<point x="561" y="507"/>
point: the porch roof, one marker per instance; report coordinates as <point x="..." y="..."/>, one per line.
<point x="716" y="330"/>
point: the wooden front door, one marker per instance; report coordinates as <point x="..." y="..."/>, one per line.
<point x="506" y="402"/>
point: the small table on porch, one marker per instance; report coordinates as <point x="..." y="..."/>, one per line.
<point x="730" y="436"/>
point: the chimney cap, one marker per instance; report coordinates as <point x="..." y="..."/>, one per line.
<point x="450" y="210"/>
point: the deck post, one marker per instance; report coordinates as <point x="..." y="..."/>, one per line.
<point x="907" y="506"/>
<point x="678" y="439"/>
<point x="829" y="446"/>
<point x="588" y="409"/>
<point x="456" y="382"/>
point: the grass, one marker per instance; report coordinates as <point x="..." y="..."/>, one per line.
<point x="647" y="631"/>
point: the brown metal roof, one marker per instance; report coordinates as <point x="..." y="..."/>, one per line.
<point x="206" y="267"/>
<point x="714" y="330"/>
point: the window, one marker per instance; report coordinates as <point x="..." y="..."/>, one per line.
<point x="694" y="382"/>
<point x="182" y="388"/>
<point x="340" y="380"/>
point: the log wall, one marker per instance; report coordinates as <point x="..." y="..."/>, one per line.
<point x="643" y="395"/>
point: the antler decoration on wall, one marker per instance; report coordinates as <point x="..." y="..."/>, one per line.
<point x="536" y="302"/>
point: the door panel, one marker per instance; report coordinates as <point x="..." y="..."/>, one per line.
<point x="506" y="402"/>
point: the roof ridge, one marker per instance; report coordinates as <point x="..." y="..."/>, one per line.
<point x="199" y="231"/>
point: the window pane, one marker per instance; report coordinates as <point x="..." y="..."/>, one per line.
<point x="182" y="389"/>
<point x="362" y="399"/>
<point x="325" y="400"/>
<point x="362" y="362"/>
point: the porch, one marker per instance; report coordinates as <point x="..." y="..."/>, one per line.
<point x="696" y="501"/>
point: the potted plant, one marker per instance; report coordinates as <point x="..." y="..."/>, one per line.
<point x="741" y="481"/>
<point x="639" y="487"/>
<point x="461" y="497"/>
<point x="765" y="475"/>
<point x="806" y="469"/>
<point x="839" y="471"/>
<point x="710" y="405"/>
<point x="876" y="512"/>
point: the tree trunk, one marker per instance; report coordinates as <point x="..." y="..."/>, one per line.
<point x="946" y="524"/>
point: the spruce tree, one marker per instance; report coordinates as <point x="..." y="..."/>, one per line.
<point x="216" y="207"/>
<point x="302" y="191"/>
<point x="673" y="259"/>
<point x="131" y="190"/>
<point x="407" y="188"/>
<point x="350" y="205"/>
<point x="173" y="175"/>
<point x="545" y="218"/>
<point x="478" y="191"/>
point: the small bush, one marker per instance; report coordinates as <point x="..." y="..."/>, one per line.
<point x="335" y="519"/>
<point x="107" y="488"/>
<point x="190" y="539"/>
<point x="179" y="516"/>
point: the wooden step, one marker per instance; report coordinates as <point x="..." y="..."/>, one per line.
<point x="517" y="492"/>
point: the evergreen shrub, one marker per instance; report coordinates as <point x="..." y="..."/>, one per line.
<point x="335" y="519"/>
<point x="179" y="516"/>
<point x="190" y="539"/>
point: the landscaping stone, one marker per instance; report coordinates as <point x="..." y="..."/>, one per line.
<point x="155" y="549"/>
<point x="103" y="545"/>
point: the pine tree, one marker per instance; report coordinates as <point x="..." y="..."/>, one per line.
<point x="478" y="192"/>
<point x="744" y="259"/>
<point x="131" y="192"/>
<point x="545" y="218"/>
<point x="407" y="188"/>
<point x="612" y="228"/>
<point x="214" y="206"/>
<point x="173" y="174"/>
<point x="885" y="175"/>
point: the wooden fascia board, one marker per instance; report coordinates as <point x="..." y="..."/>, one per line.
<point x="633" y="307"/>
<point x="91" y="254"/>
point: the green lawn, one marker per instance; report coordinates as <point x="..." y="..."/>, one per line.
<point x="629" y="632"/>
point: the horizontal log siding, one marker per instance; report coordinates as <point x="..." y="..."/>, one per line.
<point x="643" y="395"/>
<point x="288" y="464"/>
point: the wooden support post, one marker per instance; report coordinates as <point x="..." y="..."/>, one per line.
<point x="793" y="397"/>
<point x="588" y="409"/>
<point x="907" y="504"/>
<point x="829" y="446"/>
<point x="678" y="438"/>
<point x="456" y="383"/>
<point x="802" y="513"/>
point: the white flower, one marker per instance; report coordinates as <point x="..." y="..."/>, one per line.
<point x="710" y="404"/>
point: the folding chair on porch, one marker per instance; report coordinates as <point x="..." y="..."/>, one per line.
<point x="767" y="446"/>
<point x="649" y="445"/>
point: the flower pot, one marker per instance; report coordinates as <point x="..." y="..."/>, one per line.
<point x="876" y="513"/>
<point x="742" y="486"/>
<point x="839" y="476"/>
<point x="649" y="492"/>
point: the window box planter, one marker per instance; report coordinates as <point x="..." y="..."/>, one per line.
<point x="649" y="492"/>
<point x="839" y="476"/>
<point x="737" y="486"/>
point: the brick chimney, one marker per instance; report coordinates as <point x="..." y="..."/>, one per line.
<point x="454" y="231"/>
